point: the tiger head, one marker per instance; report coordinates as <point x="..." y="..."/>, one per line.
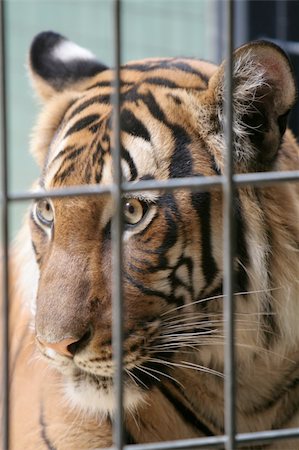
<point x="172" y="126"/>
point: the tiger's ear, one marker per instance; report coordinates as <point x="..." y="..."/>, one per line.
<point x="264" y="93"/>
<point x="56" y="64"/>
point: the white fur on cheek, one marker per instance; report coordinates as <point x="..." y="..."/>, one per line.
<point x="68" y="51"/>
<point x="94" y="400"/>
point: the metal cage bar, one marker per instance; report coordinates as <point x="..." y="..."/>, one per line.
<point x="229" y="238"/>
<point x="117" y="307"/>
<point x="5" y="238"/>
<point x="227" y="182"/>
<point x="192" y="183"/>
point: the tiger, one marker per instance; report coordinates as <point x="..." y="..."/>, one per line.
<point x="172" y="126"/>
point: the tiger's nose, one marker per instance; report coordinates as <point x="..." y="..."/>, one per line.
<point x="67" y="346"/>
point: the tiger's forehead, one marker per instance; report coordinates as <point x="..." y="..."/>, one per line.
<point x="155" y="125"/>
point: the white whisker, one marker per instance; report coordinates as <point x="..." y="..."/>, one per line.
<point x="147" y="373"/>
<point x="165" y="375"/>
<point x="215" y="297"/>
<point x="185" y="365"/>
<point x="137" y="379"/>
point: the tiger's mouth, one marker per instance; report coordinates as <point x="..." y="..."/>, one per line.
<point x="143" y="370"/>
<point x="143" y="374"/>
<point x="95" y="360"/>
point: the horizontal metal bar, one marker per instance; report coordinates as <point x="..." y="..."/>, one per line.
<point x="200" y="183"/>
<point x="211" y="442"/>
<point x="266" y="178"/>
<point x="217" y="441"/>
<point x="192" y="183"/>
<point x="267" y="436"/>
<point x="74" y="191"/>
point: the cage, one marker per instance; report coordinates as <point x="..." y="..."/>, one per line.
<point x="233" y="23"/>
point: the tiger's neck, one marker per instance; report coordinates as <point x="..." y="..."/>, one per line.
<point x="194" y="405"/>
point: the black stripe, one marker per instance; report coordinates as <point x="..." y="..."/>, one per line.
<point x="278" y="392"/>
<point x="96" y="99"/>
<point x="271" y="328"/>
<point x="241" y="277"/>
<point x="147" y="66"/>
<point x="107" y="232"/>
<point x="130" y="124"/>
<point x="175" y="98"/>
<point x="107" y="83"/>
<point x="129" y="440"/>
<point x="60" y="176"/>
<point x="171" y="213"/>
<point x="181" y="159"/>
<point x="161" y="81"/>
<point x="168" y="64"/>
<point x="127" y="157"/>
<point x="185" y="67"/>
<point x="185" y="413"/>
<point x="150" y="292"/>
<point x="82" y="123"/>
<point x="214" y="165"/>
<point x="147" y="177"/>
<point x="73" y="154"/>
<point x="154" y="107"/>
<point x="43" y="430"/>
<point x="201" y="201"/>
<point x="181" y="162"/>
<point x="104" y="83"/>
<point x="216" y="292"/>
<point x="289" y="407"/>
<point x="142" y="270"/>
<point x="32" y="243"/>
<point x="67" y="149"/>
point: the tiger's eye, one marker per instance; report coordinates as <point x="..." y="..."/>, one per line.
<point x="44" y="212"/>
<point x="133" y="211"/>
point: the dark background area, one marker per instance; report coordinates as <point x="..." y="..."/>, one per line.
<point x="278" y="20"/>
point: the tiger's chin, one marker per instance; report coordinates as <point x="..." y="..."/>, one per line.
<point x="94" y="395"/>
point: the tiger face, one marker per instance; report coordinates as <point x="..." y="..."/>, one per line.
<point x="171" y="127"/>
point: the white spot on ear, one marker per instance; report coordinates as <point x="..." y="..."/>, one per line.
<point x="68" y="51"/>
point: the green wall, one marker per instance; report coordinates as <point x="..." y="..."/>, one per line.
<point x="150" y="28"/>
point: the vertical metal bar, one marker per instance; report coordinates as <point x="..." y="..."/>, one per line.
<point x="117" y="239"/>
<point x="228" y="237"/>
<point x="4" y="224"/>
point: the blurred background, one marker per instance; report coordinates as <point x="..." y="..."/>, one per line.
<point x="193" y="28"/>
